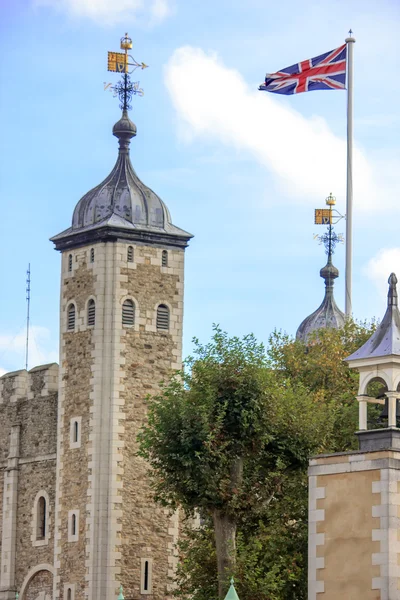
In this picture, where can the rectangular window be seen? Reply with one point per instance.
(75, 432)
(73, 525)
(146, 573)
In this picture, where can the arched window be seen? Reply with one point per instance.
(69, 594)
(164, 258)
(91, 313)
(70, 262)
(75, 433)
(163, 317)
(129, 254)
(92, 255)
(146, 569)
(128, 313)
(146, 576)
(71, 317)
(41, 518)
(73, 524)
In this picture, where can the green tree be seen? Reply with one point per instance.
(225, 435)
(272, 540)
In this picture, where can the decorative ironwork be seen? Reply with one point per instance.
(330, 240)
(124, 63)
(125, 90)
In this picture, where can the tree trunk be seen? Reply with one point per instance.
(225, 542)
(225, 534)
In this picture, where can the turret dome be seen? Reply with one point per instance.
(122, 205)
(328, 314)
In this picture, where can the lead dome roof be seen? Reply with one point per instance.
(121, 205)
(328, 314)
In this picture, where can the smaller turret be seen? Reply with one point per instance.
(328, 314)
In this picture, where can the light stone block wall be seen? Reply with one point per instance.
(105, 375)
(354, 509)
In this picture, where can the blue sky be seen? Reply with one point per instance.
(240, 169)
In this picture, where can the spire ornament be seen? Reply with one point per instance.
(122, 62)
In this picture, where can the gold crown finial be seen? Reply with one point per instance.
(126, 43)
(330, 200)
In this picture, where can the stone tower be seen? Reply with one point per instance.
(354, 497)
(121, 318)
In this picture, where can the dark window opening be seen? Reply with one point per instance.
(91, 313)
(70, 262)
(128, 313)
(92, 255)
(76, 432)
(73, 524)
(129, 254)
(164, 258)
(163, 317)
(71, 317)
(146, 576)
(41, 518)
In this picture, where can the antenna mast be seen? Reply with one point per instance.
(28, 305)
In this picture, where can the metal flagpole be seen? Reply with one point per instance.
(349, 189)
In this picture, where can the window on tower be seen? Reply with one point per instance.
(92, 255)
(163, 317)
(41, 518)
(91, 313)
(73, 525)
(71, 317)
(129, 254)
(70, 262)
(164, 258)
(146, 576)
(128, 313)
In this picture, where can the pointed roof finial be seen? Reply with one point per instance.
(392, 293)
(232, 594)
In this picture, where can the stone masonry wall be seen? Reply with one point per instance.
(29, 400)
(73, 472)
(148, 531)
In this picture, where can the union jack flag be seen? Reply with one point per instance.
(324, 72)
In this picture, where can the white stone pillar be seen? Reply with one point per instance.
(392, 397)
(9, 534)
(362, 413)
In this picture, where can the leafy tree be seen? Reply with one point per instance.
(271, 559)
(227, 435)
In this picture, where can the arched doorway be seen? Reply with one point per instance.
(38, 584)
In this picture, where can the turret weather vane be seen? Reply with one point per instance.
(328, 216)
(122, 62)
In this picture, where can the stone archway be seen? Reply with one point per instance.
(38, 584)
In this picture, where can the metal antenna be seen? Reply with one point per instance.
(28, 305)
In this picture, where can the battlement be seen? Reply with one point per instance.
(38, 382)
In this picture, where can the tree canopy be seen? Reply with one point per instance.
(230, 438)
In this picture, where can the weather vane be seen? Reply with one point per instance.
(122, 62)
(328, 216)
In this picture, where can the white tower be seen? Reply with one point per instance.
(121, 334)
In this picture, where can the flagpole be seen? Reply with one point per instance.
(349, 186)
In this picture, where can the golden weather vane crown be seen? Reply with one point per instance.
(328, 216)
(122, 62)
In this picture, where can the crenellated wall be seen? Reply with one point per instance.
(28, 417)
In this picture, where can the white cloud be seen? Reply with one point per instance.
(381, 266)
(42, 349)
(306, 157)
(111, 12)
